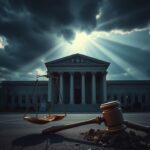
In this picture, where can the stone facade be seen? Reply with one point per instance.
(76, 83)
(82, 79)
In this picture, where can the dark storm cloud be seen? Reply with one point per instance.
(31, 27)
(133, 56)
(87, 15)
(68, 34)
(28, 27)
(124, 14)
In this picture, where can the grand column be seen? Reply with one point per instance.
(104, 87)
(71, 88)
(93, 88)
(83, 87)
(61, 87)
(50, 89)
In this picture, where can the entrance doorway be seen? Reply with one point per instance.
(77, 93)
(77, 88)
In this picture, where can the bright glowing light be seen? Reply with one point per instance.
(1, 45)
(99, 34)
(49, 55)
(128, 68)
(98, 16)
(3, 42)
(80, 39)
(79, 44)
(39, 71)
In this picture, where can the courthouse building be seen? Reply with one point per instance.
(76, 83)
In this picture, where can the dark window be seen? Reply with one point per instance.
(129, 99)
(30, 99)
(23, 99)
(38, 98)
(16, 100)
(108, 97)
(9, 99)
(115, 97)
(143, 98)
(122, 99)
(45, 97)
(136, 97)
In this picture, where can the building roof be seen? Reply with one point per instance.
(22, 83)
(128, 82)
(77, 59)
(45, 83)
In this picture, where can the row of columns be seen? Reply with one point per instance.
(82, 87)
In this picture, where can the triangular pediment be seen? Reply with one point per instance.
(77, 59)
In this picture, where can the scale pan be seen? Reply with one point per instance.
(57, 117)
(44, 120)
(39, 120)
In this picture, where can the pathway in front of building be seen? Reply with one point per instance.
(17, 134)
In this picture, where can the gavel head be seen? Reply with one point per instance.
(112, 115)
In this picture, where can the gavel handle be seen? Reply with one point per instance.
(137, 126)
(53, 129)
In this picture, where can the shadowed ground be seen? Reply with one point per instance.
(17, 134)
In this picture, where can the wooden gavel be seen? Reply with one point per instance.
(111, 116)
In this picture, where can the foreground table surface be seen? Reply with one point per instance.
(16, 134)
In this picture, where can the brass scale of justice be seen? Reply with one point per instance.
(111, 116)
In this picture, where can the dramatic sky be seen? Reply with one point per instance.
(36, 31)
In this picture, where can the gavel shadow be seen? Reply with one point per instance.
(30, 140)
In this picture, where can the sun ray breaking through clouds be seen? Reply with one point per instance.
(92, 45)
(37, 66)
(138, 39)
(120, 42)
(135, 73)
(29, 31)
